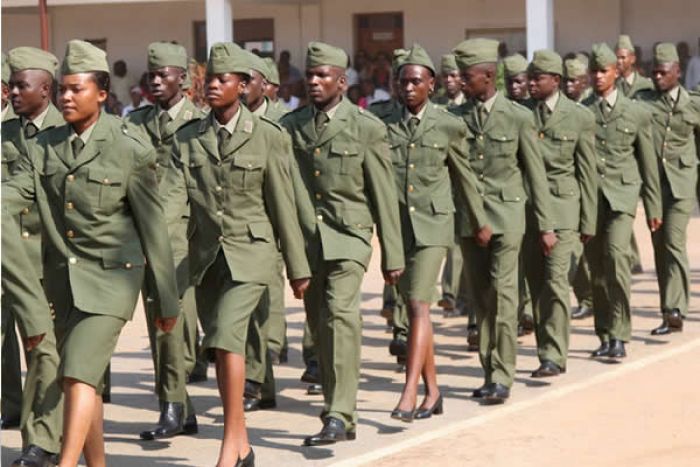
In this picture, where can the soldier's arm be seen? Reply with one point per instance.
(145, 202)
(648, 165)
(279, 199)
(586, 173)
(463, 177)
(379, 179)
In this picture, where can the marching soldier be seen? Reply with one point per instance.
(502, 143)
(31, 87)
(344, 160)
(676, 127)
(626, 166)
(566, 142)
(167, 69)
(577, 85)
(451, 82)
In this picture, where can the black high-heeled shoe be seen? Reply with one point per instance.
(247, 461)
(403, 415)
(436, 409)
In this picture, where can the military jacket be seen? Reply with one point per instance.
(640, 84)
(241, 200)
(626, 161)
(384, 109)
(504, 155)
(10, 113)
(275, 111)
(427, 164)
(348, 181)
(567, 144)
(676, 132)
(102, 218)
(14, 147)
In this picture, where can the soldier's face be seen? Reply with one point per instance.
(165, 83)
(224, 90)
(666, 76)
(254, 91)
(476, 80)
(543, 85)
(625, 60)
(416, 85)
(604, 80)
(271, 91)
(324, 84)
(80, 98)
(573, 87)
(452, 82)
(516, 86)
(29, 91)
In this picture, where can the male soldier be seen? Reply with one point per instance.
(566, 142)
(7, 111)
(625, 153)
(167, 68)
(343, 156)
(630, 82)
(676, 126)
(31, 88)
(502, 143)
(515, 74)
(577, 88)
(269, 315)
(451, 82)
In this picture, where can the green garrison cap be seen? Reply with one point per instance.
(583, 58)
(5, 70)
(320, 54)
(83, 57)
(273, 74)
(624, 42)
(665, 52)
(573, 68)
(257, 64)
(31, 58)
(227, 57)
(475, 51)
(418, 56)
(397, 59)
(448, 63)
(546, 61)
(514, 65)
(602, 56)
(162, 54)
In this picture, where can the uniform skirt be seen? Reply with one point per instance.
(422, 268)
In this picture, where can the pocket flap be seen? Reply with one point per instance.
(345, 148)
(248, 162)
(563, 135)
(630, 177)
(260, 231)
(626, 128)
(567, 187)
(122, 259)
(359, 218)
(501, 137)
(433, 143)
(105, 176)
(442, 205)
(689, 159)
(512, 194)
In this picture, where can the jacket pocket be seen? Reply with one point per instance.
(630, 177)
(105, 185)
(442, 205)
(247, 172)
(123, 259)
(347, 155)
(513, 194)
(260, 231)
(566, 188)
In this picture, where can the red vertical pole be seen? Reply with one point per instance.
(44, 22)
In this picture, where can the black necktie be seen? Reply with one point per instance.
(413, 124)
(544, 112)
(30, 130)
(163, 120)
(481, 114)
(321, 119)
(77, 145)
(605, 108)
(626, 87)
(223, 137)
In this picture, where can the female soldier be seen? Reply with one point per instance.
(428, 148)
(234, 170)
(95, 186)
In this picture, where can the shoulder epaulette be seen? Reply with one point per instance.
(271, 122)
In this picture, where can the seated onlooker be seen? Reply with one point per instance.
(287, 98)
(355, 96)
(371, 93)
(137, 100)
(113, 106)
(121, 81)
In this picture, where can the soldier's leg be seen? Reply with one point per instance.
(532, 262)
(581, 278)
(340, 339)
(671, 257)
(451, 277)
(313, 301)
(400, 317)
(259, 373)
(11, 369)
(635, 258)
(465, 299)
(277, 325)
(618, 274)
(596, 252)
(196, 364)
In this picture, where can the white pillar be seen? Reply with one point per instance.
(219, 21)
(540, 25)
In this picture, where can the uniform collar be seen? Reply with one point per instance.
(611, 98)
(85, 135)
(230, 126)
(262, 108)
(173, 111)
(488, 104)
(457, 101)
(674, 93)
(552, 101)
(38, 121)
(330, 113)
(407, 115)
(631, 78)
(5, 110)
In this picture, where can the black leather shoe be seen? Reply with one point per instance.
(403, 415)
(190, 426)
(170, 422)
(247, 461)
(314, 390)
(527, 323)
(311, 374)
(106, 398)
(617, 349)
(7, 423)
(637, 269)
(398, 348)
(332, 432)
(482, 391)
(196, 378)
(34, 456)
(472, 338)
(601, 351)
(251, 404)
(447, 303)
(436, 409)
(548, 368)
(672, 322)
(252, 389)
(582, 312)
(496, 394)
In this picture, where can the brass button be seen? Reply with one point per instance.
(541, 135)
(603, 142)
(411, 145)
(345, 152)
(605, 125)
(105, 181)
(602, 175)
(25, 211)
(412, 209)
(517, 198)
(411, 166)
(220, 213)
(51, 305)
(481, 156)
(410, 188)
(25, 234)
(482, 194)
(668, 128)
(218, 188)
(663, 159)
(221, 238)
(70, 177)
(481, 137)
(503, 138)
(317, 151)
(319, 217)
(317, 173)
(318, 195)
(128, 265)
(435, 145)
(73, 260)
(219, 164)
(481, 176)
(602, 159)
(70, 234)
(69, 205)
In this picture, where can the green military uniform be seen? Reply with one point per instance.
(41, 402)
(631, 86)
(346, 171)
(502, 142)
(676, 127)
(566, 143)
(167, 350)
(448, 64)
(626, 165)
